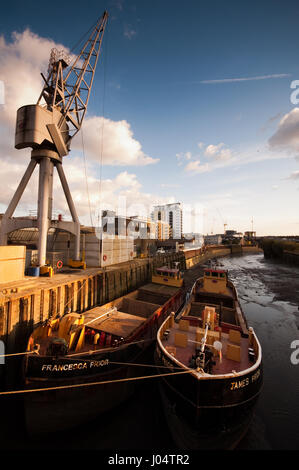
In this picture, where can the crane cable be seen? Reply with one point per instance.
(102, 129)
(104, 91)
(86, 180)
(82, 136)
(82, 37)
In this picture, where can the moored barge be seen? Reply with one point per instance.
(103, 345)
(211, 406)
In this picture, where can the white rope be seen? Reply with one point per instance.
(104, 382)
(18, 354)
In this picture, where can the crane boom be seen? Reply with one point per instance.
(70, 94)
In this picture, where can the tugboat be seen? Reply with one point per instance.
(71, 354)
(211, 406)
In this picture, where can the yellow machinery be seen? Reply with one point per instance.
(76, 264)
(69, 328)
(46, 271)
(79, 264)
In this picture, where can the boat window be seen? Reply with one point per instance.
(222, 274)
(215, 274)
(207, 273)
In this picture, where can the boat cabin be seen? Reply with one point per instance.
(215, 280)
(168, 276)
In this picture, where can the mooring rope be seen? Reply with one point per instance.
(90, 384)
(108, 350)
(18, 354)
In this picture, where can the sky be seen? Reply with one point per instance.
(192, 102)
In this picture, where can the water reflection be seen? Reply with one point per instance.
(269, 294)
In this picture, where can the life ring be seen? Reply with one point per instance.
(59, 264)
(104, 258)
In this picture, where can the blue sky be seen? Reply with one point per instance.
(203, 86)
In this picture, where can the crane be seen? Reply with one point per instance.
(224, 223)
(48, 127)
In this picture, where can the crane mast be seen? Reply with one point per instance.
(48, 128)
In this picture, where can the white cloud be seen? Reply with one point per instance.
(170, 185)
(113, 140)
(183, 156)
(217, 155)
(294, 175)
(122, 193)
(220, 157)
(105, 194)
(196, 167)
(287, 134)
(20, 71)
(246, 79)
(11, 174)
(129, 32)
(217, 152)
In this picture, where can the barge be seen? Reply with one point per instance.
(211, 406)
(82, 365)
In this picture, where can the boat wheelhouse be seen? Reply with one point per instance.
(168, 276)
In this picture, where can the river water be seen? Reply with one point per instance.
(269, 294)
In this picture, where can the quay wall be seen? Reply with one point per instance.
(284, 251)
(251, 249)
(44, 298)
(291, 257)
(198, 257)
